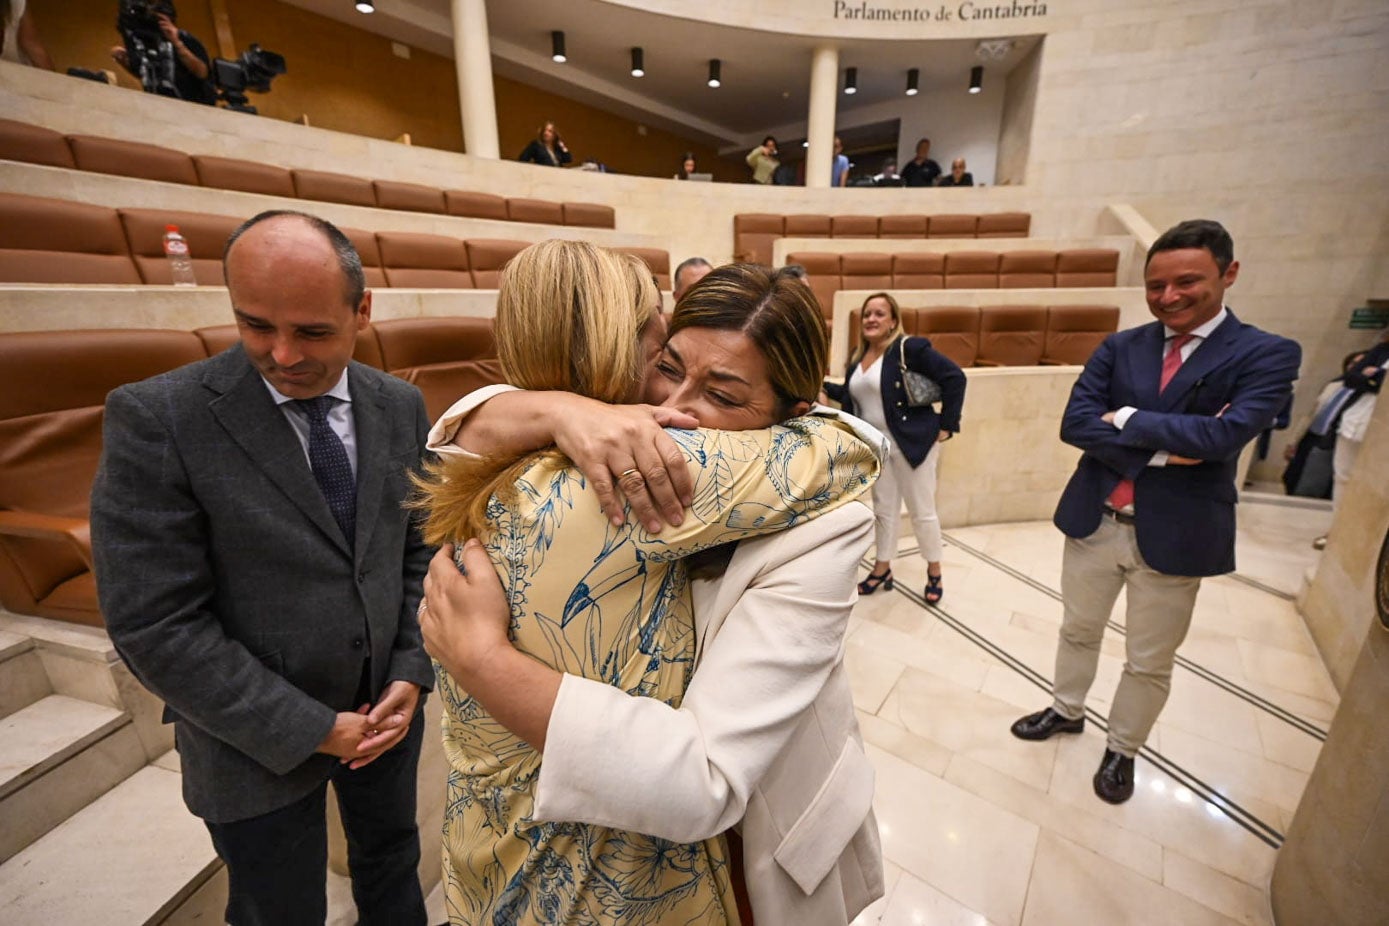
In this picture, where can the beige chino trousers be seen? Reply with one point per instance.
(1093, 571)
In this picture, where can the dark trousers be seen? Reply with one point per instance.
(277, 863)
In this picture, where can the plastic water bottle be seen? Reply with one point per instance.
(180, 264)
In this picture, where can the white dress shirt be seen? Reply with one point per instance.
(339, 418)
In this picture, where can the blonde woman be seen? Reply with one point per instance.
(597, 601)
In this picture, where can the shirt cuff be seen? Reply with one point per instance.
(1159, 458)
(1122, 416)
(446, 428)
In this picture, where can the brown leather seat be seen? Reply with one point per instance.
(56, 241)
(132, 159)
(217, 338)
(1027, 270)
(657, 260)
(865, 271)
(327, 187)
(952, 226)
(34, 144)
(50, 443)
(952, 329)
(854, 226)
(918, 271)
(753, 234)
(246, 176)
(902, 226)
(1074, 331)
(409, 197)
(487, 257)
(971, 270)
(808, 226)
(445, 357)
(822, 274)
(589, 215)
(540, 211)
(475, 205)
(1004, 225)
(1011, 335)
(365, 243)
(206, 236)
(421, 261)
(1087, 267)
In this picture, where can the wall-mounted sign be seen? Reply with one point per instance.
(1370, 316)
(968, 11)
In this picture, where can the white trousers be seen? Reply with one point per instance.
(917, 487)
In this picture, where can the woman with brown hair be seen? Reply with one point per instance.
(547, 148)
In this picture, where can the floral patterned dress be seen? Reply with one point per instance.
(613, 604)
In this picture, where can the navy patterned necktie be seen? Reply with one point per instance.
(328, 459)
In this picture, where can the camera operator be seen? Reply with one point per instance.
(192, 72)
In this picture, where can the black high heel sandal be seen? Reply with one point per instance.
(934, 588)
(874, 581)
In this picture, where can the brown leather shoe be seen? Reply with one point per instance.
(1044, 725)
(1114, 780)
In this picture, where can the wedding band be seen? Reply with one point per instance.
(628, 472)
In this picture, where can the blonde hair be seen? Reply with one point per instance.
(569, 318)
(893, 335)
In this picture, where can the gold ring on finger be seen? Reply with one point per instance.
(628, 472)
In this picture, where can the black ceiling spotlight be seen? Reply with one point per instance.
(851, 80)
(913, 78)
(638, 66)
(976, 78)
(365, 6)
(557, 47)
(714, 65)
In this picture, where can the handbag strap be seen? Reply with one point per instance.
(902, 353)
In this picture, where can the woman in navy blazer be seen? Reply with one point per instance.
(873, 390)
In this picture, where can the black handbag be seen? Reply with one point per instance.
(921, 389)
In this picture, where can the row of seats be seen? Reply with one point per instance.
(45, 240)
(50, 438)
(753, 233)
(20, 141)
(829, 273)
(1010, 335)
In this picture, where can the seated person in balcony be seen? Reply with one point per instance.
(921, 170)
(547, 149)
(687, 167)
(958, 176)
(192, 66)
(19, 37)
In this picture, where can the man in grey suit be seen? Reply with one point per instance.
(258, 573)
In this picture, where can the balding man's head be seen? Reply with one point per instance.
(690, 272)
(283, 222)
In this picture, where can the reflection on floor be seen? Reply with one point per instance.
(979, 827)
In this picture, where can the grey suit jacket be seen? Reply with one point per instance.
(227, 586)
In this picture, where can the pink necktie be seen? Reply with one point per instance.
(1122, 496)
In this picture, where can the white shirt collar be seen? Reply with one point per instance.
(1201, 331)
(339, 390)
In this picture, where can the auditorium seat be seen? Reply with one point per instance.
(246, 176)
(589, 215)
(446, 358)
(56, 241)
(541, 211)
(1074, 331)
(1027, 270)
(475, 205)
(902, 226)
(952, 226)
(206, 236)
(34, 144)
(1011, 335)
(971, 270)
(408, 197)
(1087, 267)
(822, 273)
(918, 271)
(854, 226)
(952, 329)
(132, 159)
(365, 243)
(327, 187)
(487, 256)
(50, 443)
(753, 234)
(415, 260)
(655, 258)
(1004, 225)
(808, 226)
(865, 271)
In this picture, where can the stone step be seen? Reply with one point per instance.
(135, 856)
(57, 755)
(22, 677)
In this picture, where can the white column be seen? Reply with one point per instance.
(824, 78)
(472, 56)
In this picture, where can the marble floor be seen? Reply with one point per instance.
(981, 828)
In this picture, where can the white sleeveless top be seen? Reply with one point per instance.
(866, 389)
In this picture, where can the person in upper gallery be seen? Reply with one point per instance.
(547, 148)
(1161, 413)
(19, 37)
(687, 167)
(873, 389)
(192, 65)
(921, 170)
(690, 272)
(839, 169)
(958, 176)
(763, 161)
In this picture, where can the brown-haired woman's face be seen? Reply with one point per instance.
(718, 376)
(548, 134)
(877, 320)
(689, 165)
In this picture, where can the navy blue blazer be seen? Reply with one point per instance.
(1185, 515)
(913, 429)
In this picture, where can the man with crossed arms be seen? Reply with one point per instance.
(1161, 412)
